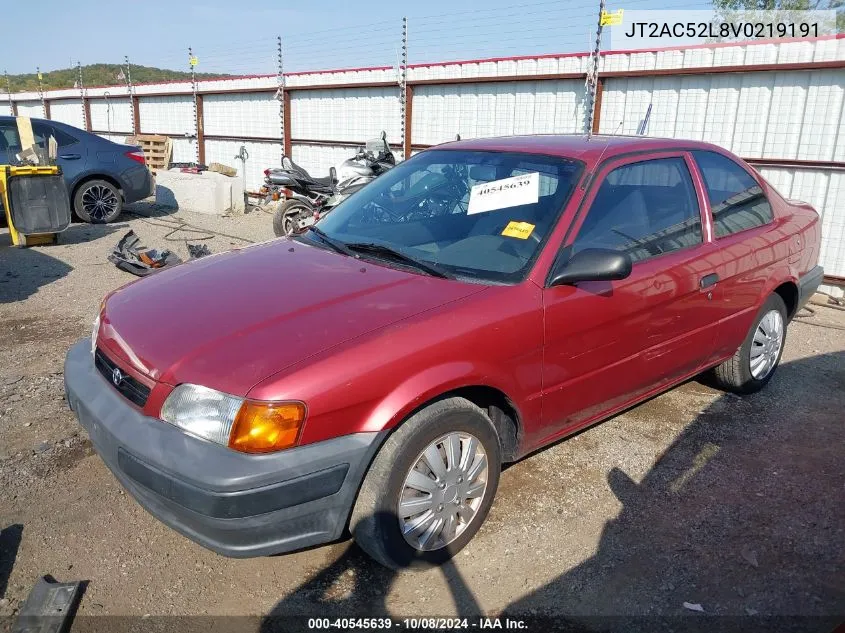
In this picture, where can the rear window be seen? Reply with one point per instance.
(736, 200)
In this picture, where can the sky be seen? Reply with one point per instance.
(240, 37)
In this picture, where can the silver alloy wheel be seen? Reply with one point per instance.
(99, 202)
(765, 347)
(443, 491)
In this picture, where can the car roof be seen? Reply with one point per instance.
(579, 146)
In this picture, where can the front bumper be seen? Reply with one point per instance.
(235, 504)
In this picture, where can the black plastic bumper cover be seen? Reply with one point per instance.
(808, 284)
(235, 504)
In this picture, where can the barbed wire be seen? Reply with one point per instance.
(525, 28)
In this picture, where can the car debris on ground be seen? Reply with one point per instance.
(131, 256)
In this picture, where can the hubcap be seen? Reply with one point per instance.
(765, 348)
(443, 491)
(99, 202)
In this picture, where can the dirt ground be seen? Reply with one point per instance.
(734, 506)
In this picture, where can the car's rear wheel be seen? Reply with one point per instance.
(757, 358)
(430, 487)
(97, 202)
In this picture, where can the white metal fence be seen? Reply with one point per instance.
(778, 105)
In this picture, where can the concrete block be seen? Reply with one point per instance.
(206, 192)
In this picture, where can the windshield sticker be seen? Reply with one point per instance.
(501, 194)
(521, 230)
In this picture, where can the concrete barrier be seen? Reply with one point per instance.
(206, 192)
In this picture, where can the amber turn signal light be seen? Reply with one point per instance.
(265, 427)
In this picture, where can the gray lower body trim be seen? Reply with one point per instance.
(237, 505)
(808, 284)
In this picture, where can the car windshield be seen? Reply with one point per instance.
(472, 214)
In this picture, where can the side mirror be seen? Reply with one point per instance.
(593, 264)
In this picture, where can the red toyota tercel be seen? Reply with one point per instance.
(475, 303)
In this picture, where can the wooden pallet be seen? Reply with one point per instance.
(157, 149)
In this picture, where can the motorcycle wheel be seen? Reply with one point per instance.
(285, 220)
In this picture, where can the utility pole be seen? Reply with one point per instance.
(280, 93)
(593, 77)
(403, 87)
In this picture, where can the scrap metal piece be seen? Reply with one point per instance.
(198, 250)
(50, 607)
(131, 256)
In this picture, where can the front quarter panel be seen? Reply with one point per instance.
(493, 338)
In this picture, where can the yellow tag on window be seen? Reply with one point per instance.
(521, 230)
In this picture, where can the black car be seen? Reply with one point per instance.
(100, 175)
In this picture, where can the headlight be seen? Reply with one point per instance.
(94, 335)
(243, 425)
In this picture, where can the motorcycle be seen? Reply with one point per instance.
(307, 199)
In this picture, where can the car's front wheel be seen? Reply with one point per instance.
(97, 202)
(755, 362)
(430, 487)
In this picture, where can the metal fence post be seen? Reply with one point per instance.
(12, 109)
(280, 95)
(44, 111)
(132, 99)
(591, 84)
(86, 112)
(403, 92)
(199, 154)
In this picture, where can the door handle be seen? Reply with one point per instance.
(70, 156)
(709, 280)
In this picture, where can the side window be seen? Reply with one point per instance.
(42, 132)
(736, 200)
(645, 209)
(10, 142)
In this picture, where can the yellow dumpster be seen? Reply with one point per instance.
(36, 202)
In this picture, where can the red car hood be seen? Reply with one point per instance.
(231, 320)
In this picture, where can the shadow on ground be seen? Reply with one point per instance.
(24, 270)
(10, 540)
(741, 517)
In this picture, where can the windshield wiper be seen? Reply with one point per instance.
(380, 249)
(336, 245)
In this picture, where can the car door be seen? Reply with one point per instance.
(749, 243)
(72, 154)
(608, 343)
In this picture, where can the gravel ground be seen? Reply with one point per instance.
(696, 497)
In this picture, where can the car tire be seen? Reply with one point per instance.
(375, 520)
(97, 202)
(743, 373)
(284, 220)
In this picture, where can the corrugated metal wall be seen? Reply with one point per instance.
(113, 114)
(30, 109)
(167, 115)
(496, 109)
(68, 111)
(787, 115)
(249, 115)
(348, 114)
(260, 156)
(777, 114)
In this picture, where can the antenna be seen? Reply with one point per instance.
(590, 177)
(644, 122)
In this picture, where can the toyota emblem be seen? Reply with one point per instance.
(116, 376)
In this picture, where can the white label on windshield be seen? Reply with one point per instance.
(501, 194)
